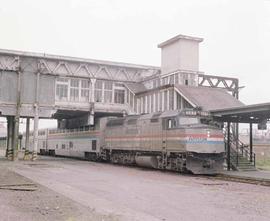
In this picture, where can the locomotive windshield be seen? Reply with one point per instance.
(188, 120)
(192, 121)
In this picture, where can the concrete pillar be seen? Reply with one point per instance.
(16, 137)
(35, 137)
(27, 132)
(36, 119)
(16, 120)
(9, 138)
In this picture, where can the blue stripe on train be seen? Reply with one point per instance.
(201, 142)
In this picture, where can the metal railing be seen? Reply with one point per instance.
(239, 150)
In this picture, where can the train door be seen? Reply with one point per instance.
(164, 135)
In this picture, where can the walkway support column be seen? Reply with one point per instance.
(250, 142)
(36, 119)
(27, 132)
(10, 135)
(7, 136)
(16, 137)
(17, 118)
(228, 146)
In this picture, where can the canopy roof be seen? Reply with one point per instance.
(255, 113)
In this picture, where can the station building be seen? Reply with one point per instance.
(75, 91)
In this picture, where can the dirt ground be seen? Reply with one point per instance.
(33, 202)
(80, 190)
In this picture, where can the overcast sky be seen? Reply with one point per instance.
(236, 33)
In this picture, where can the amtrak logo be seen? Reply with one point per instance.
(197, 139)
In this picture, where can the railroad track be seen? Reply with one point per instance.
(238, 179)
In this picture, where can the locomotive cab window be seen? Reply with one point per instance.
(188, 120)
(169, 123)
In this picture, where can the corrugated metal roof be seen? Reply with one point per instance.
(208, 98)
(136, 87)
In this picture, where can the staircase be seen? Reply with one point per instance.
(240, 158)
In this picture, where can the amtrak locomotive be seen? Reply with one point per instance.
(183, 141)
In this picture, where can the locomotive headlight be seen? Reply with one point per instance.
(208, 133)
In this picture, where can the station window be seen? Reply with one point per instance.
(119, 96)
(56, 146)
(108, 86)
(62, 89)
(85, 90)
(74, 89)
(98, 91)
(63, 146)
(70, 144)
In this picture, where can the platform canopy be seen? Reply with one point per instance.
(256, 113)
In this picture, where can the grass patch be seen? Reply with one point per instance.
(263, 164)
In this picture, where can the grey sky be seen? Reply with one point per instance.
(236, 33)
